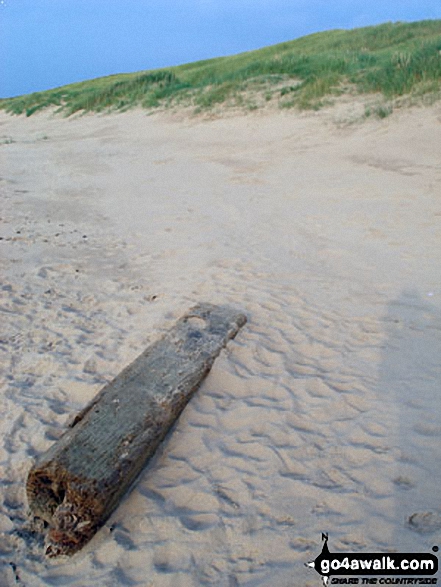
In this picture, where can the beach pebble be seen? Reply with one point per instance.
(404, 482)
(90, 366)
(425, 522)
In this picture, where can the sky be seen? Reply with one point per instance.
(49, 43)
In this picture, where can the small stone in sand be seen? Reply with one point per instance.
(425, 522)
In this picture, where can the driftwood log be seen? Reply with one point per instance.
(80, 480)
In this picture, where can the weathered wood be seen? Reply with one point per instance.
(79, 481)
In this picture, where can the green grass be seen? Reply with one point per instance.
(392, 59)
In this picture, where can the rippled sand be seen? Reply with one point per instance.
(324, 414)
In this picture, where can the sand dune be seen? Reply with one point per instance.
(322, 416)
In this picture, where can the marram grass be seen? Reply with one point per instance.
(392, 59)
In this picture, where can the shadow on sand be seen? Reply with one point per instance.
(410, 378)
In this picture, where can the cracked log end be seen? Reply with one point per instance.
(79, 481)
(70, 506)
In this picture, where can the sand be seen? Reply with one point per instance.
(324, 415)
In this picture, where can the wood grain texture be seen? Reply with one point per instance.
(79, 481)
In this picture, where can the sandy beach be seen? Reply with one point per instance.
(323, 415)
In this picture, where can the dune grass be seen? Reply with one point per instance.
(392, 59)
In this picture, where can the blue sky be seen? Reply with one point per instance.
(48, 43)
